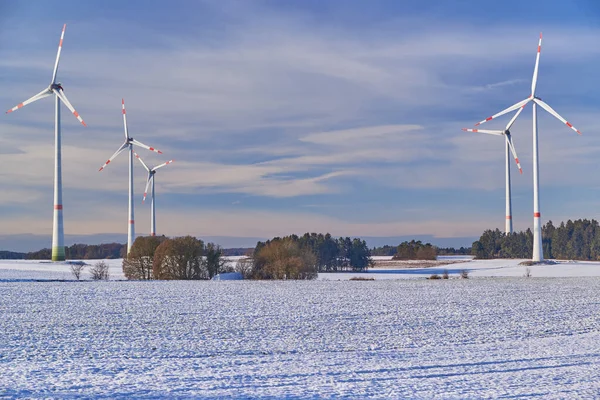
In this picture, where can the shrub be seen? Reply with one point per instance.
(445, 274)
(464, 274)
(434, 276)
(99, 271)
(77, 269)
(362, 278)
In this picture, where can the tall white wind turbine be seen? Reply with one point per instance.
(128, 144)
(150, 181)
(56, 89)
(537, 227)
(508, 148)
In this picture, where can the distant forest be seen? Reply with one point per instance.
(117, 250)
(440, 251)
(573, 240)
(96, 252)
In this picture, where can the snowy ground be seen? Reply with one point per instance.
(487, 337)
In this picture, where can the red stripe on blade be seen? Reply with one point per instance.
(508, 217)
(131, 221)
(58, 206)
(537, 215)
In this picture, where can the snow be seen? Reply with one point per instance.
(495, 335)
(228, 276)
(475, 269)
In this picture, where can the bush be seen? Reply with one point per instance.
(362, 278)
(99, 271)
(464, 274)
(77, 269)
(445, 274)
(434, 276)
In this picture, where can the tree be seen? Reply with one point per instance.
(99, 271)
(139, 263)
(214, 262)
(284, 259)
(244, 266)
(77, 269)
(180, 258)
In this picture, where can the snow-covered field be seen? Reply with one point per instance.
(409, 338)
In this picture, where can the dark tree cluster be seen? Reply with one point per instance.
(573, 240)
(384, 250)
(84, 252)
(302, 257)
(451, 251)
(11, 255)
(415, 250)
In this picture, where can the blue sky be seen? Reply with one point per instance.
(287, 117)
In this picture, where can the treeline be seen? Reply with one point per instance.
(302, 257)
(97, 252)
(440, 251)
(384, 251)
(451, 251)
(84, 252)
(11, 255)
(573, 240)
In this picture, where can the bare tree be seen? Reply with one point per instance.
(244, 266)
(100, 271)
(138, 264)
(77, 269)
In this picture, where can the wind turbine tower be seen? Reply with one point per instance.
(128, 144)
(537, 225)
(55, 88)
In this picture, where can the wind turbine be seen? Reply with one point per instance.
(151, 173)
(128, 144)
(508, 148)
(56, 89)
(537, 227)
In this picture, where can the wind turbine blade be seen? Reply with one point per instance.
(123, 147)
(514, 118)
(162, 165)
(40, 95)
(514, 152)
(142, 161)
(125, 120)
(140, 144)
(507, 110)
(535, 70)
(62, 36)
(61, 95)
(499, 133)
(557, 115)
(150, 177)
